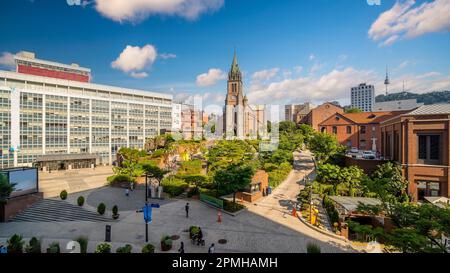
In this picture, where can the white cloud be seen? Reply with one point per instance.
(334, 85)
(316, 67)
(138, 10)
(298, 69)
(211, 77)
(139, 75)
(7, 59)
(166, 56)
(407, 20)
(265, 75)
(312, 57)
(133, 59)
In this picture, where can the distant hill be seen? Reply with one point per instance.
(426, 98)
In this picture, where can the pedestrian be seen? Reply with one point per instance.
(187, 210)
(127, 192)
(211, 249)
(181, 250)
(131, 185)
(200, 236)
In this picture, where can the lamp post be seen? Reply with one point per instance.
(146, 187)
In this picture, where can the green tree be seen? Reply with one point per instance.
(329, 174)
(196, 179)
(234, 178)
(387, 183)
(226, 152)
(352, 177)
(154, 172)
(306, 131)
(287, 127)
(419, 228)
(129, 163)
(324, 146)
(353, 110)
(6, 188)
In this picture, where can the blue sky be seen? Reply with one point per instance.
(290, 51)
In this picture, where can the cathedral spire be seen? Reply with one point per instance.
(235, 72)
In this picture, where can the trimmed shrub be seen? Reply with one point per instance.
(115, 210)
(101, 208)
(148, 248)
(166, 243)
(80, 201)
(174, 186)
(312, 248)
(15, 244)
(331, 210)
(54, 248)
(63, 195)
(103, 248)
(83, 241)
(34, 246)
(124, 249)
(120, 180)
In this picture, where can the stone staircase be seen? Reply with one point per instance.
(51, 210)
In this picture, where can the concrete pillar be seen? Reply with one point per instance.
(15, 123)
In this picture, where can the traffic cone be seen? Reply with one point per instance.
(219, 217)
(294, 212)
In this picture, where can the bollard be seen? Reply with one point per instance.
(219, 217)
(108, 233)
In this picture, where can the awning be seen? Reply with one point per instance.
(66, 157)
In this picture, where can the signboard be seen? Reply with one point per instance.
(216, 202)
(25, 180)
(147, 211)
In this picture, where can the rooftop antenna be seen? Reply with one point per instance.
(386, 81)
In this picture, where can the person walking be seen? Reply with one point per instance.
(181, 250)
(211, 249)
(127, 192)
(187, 210)
(200, 236)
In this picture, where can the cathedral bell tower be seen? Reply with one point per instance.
(234, 103)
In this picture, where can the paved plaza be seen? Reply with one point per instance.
(265, 226)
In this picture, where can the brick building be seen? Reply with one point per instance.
(358, 130)
(321, 113)
(419, 142)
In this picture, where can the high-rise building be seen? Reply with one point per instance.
(296, 112)
(363, 97)
(51, 116)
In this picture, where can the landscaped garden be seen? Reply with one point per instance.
(225, 167)
(408, 227)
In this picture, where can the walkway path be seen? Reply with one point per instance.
(278, 206)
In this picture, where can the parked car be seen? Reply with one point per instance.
(353, 152)
(369, 155)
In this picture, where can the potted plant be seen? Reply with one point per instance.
(54, 248)
(166, 243)
(148, 248)
(15, 244)
(115, 211)
(101, 208)
(124, 249)
(312, 248)
(80, 201)
(103, 248)
(63, 195)
(34, 246)
(83, 241)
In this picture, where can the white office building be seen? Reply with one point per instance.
(51, 116)
(363, 97)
